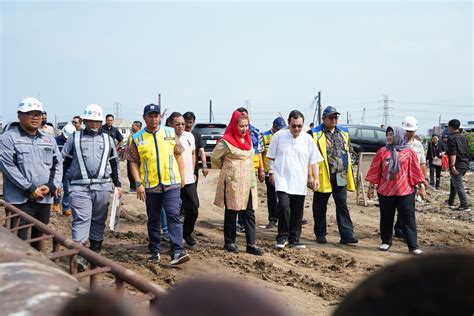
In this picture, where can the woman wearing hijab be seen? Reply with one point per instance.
(394, 173)
(237, 185)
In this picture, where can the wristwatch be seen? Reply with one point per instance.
(138, 183)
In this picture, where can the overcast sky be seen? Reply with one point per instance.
(273, 56)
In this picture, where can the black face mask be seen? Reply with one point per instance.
(43, 122)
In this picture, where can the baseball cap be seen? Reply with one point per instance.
(330, 110)
(279, 122)
(151, 108)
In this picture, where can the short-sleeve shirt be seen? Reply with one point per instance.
(187, 141)
(113, 132)
(292, 157)
(419, 150)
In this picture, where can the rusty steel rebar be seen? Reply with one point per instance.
(99, 264)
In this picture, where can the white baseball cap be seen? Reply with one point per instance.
(410, 124)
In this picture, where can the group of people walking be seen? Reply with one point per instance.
(163, 164)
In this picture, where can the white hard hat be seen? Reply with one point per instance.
(68, 129)
(92, 112)
(30, 104)
(410, 124)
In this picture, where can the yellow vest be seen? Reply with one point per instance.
(324, 175)
(157, 162)
(267, 138)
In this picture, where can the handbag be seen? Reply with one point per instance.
(445, 162)
(436, 161)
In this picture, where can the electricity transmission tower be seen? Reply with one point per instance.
(386, 111)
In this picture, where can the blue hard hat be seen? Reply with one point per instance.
(330, 110)
(279, 123)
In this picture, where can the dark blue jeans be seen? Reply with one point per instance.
(65, 196)
(171, 202)
(320, 205)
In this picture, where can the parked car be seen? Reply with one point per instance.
(365, 138)
(210, 133)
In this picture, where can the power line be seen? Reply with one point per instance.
(434, 104)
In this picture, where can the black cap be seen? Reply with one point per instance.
(151, 108)
(330, 110)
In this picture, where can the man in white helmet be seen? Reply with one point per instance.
(64, 201)
(410, 125)
(91, 165)
(31, 164)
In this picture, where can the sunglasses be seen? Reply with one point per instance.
(296, 126)
(34, 115)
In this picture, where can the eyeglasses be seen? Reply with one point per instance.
(34, 114)
(296, 126)
(333, 117)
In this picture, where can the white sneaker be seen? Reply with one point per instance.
(281, 244)
(417, 252)
(384, 247)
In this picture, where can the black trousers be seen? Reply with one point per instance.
(290, 211)
(271, 201)
(248, 220)
(406, 215)
(435, 169)
(130, 177)
(190, 206)
(39, 211)
(343, 218)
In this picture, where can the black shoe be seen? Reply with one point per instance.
(304, 221)
(241, 229)
(348, 241)
(190, 241)
(231, 248)
(165, 237)
(179, 258)
(95, 245)
(297, 245)
(321, 240)
(154, 258)
(446, 203)
(271, 225)
(254, 250)
(462, 209)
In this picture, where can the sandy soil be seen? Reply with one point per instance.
(308, 282)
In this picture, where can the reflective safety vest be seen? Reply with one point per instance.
(157, 162)
(324, 175)
(86, 177)
(267, 138)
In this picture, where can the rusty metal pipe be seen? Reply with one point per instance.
(124, 274)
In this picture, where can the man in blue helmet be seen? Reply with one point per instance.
(278, 123)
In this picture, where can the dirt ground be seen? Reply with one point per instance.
(307, 282)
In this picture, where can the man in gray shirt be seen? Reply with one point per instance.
(31, 165)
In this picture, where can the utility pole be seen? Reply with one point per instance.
(362, 119)
(386, 109)
(159, 99)
(248, 106)
(117, 106)
(320, 108)
(211, 115)
(347, 118)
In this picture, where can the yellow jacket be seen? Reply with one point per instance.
(157, 162)
(324, 176)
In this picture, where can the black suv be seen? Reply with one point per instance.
(365, 138)
(210, 132)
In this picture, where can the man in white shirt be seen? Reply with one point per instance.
(189, 195)
(410, 125)
(290, 155)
